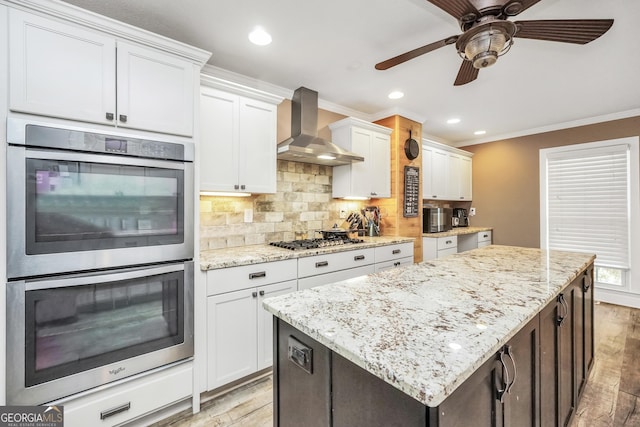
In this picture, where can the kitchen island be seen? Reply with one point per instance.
(484, 337)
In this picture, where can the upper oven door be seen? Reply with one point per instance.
(72, 211)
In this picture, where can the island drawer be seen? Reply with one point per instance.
(328, 263)
(249, 276)
(391, 252)
(447, 242)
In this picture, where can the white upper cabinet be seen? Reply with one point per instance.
(446, 172)
(372, 177)
(60, 70)
(68, 71)
(237, 141)
(155, 90)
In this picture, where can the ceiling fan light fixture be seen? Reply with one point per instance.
(484, 48)
(484, 43)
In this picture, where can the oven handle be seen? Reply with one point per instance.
(71, 156)
(105, 277)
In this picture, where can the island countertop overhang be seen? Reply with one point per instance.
(426, 328)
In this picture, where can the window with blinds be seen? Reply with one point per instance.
(588, 205)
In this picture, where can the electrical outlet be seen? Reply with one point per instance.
(248, 215)
(343, 213)
(472, 211)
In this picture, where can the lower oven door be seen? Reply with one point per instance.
(70, 333)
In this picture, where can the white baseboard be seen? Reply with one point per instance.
(616, 297)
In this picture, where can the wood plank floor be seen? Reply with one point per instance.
(611, 397)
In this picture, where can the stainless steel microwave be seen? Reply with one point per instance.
(436, 220)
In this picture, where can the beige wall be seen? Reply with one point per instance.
(506, 178)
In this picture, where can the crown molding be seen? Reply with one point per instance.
(557, 126)
(68, 12)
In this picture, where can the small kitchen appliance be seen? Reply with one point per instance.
(460, 217)
(436, 220)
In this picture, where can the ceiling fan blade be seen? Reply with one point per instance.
(396, 60)
(466, 74)
(579, 31)
(456, 8)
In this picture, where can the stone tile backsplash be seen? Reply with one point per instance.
(301, 205)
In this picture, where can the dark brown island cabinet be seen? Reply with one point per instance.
(535, 379)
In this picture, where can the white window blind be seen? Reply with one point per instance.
(588, 203)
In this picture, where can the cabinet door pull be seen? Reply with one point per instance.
(396, 264)
(113, 411)
(322, 264)
(261, 293)
(373, 193)
(254, 294)
(565, 310)
(509, 354)
(485, 235)
(257, 275)
(109, 116)
(586, 284)
(358, 257)
(236, 187)
(242, 187)
(434, 196)
(448, 242)
(461, 197)
(396, 251)
(505, 377)
(123, 118)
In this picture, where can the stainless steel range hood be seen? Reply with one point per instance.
(304, 145)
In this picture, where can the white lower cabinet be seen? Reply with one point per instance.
(484, 238)
(131, 399)
(393, 256)
(323, 269)
(439, 247)
(239, 330)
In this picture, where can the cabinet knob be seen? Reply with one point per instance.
(261, 293)
(109, 116)
(373, 193)
(461, 197)
(123, 118)
(434, 196)
(235, 187)
(242, 187)
(254, 294)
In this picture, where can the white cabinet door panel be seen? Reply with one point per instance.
(232, 337)
(439, 174)
(381, 165)
(257, 148)
(219, 150)
(155, 90)
(60, 70)
(265, 321)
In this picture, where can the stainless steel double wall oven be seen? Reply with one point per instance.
(99, 257)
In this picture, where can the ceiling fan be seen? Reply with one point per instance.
(488, 34)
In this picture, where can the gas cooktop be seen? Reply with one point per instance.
(314, 243)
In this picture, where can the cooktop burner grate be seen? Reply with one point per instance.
(314, 243)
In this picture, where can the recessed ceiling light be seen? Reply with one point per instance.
(396, 94)
(453, 121)
(480, 132)
(259, 37)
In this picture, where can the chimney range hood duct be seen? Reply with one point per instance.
(304, 145)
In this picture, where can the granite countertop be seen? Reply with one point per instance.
(256, 254)
(458, 231)
(427, 327)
